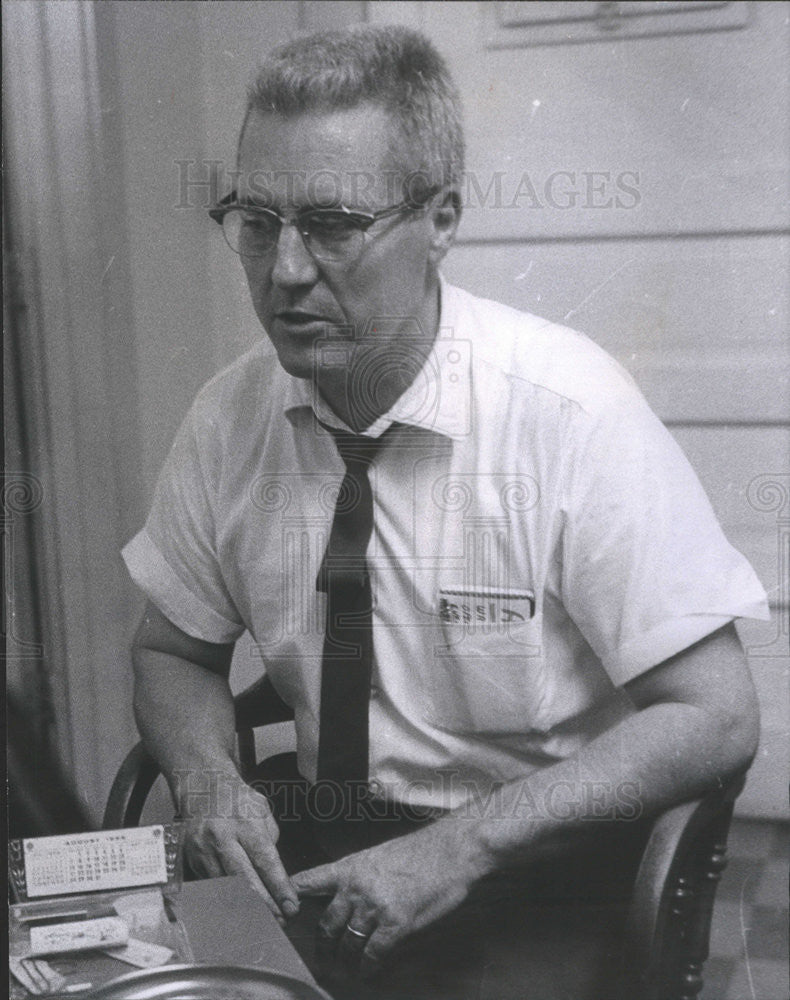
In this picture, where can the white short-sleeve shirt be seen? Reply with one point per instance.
(539, 539)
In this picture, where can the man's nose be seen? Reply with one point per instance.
(294, 264)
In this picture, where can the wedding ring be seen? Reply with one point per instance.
(356, 933)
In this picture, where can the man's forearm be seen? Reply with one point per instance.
(697, 724)
(185, 717)
(661, 756)
(185, 714)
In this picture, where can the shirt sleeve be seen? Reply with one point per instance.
(647, 570)
(174, 558)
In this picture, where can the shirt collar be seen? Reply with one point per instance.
(437, 400)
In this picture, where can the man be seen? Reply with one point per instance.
(552, 600)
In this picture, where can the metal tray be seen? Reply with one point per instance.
(206, 982)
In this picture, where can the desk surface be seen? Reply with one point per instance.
(488, 949)
(229, 924)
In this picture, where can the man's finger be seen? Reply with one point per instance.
(269, 867)
(335, 917)
(203, 863)
(356, 934)
(320, 881)
(381, 943)
(236, 862)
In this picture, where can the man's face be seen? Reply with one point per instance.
(314, 160)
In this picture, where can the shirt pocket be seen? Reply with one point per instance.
(488, 673)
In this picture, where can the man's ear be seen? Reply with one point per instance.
(445, 215)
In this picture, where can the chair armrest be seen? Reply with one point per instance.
(131, 786)
(668, 925)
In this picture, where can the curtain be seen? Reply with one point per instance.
(72, 443)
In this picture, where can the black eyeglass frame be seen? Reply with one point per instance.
(363, 220)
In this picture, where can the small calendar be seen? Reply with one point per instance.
(87, 862)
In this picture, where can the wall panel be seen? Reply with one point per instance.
(701, 118)
(701, 323)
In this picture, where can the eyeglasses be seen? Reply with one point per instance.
(330, 234)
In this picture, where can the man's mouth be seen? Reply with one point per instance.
(295, 317)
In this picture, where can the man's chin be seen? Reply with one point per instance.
(299, 364)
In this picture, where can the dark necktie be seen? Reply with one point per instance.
(348, 640)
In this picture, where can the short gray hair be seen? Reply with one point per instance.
(390, 66)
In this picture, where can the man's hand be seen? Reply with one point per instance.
(239, 837)
(184, 710)
(382, 895)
